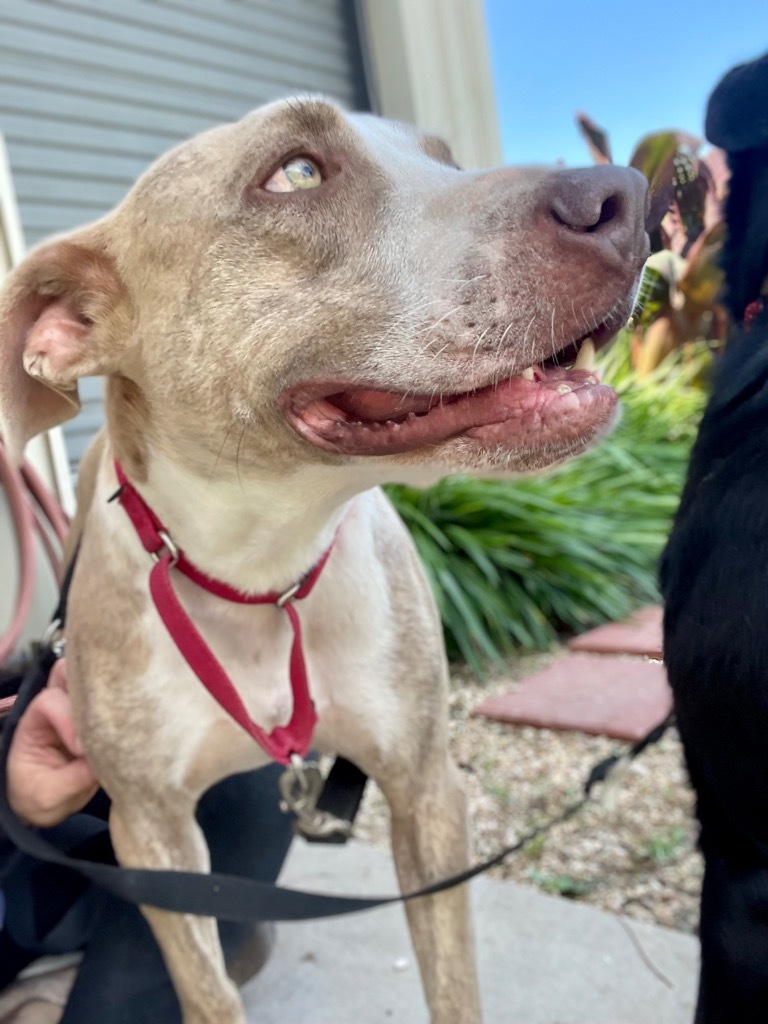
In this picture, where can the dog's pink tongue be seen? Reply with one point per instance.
(380, 406)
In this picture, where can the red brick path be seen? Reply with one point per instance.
(615, 692)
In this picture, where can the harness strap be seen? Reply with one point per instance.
(283, 741)
(293, 738)
(340, 798)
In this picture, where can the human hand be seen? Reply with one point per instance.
(49, 777)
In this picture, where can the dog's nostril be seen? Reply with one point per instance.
(584, 213)
(600, 209)
(609, 212)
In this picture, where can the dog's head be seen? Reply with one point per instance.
(737, 121)
(307, 286)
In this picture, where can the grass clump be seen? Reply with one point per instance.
(666, 846)
(516, 563)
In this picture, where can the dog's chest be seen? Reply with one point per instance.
(349, 641)
(343, 651)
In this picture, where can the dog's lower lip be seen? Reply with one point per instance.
(548, 403)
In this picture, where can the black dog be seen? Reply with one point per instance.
(715, 584)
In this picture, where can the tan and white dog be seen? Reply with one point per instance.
(289, 311)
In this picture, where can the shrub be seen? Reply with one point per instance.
(514, 564)
(679, 298)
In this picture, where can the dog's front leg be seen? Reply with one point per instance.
(430, 841)
(167, 836)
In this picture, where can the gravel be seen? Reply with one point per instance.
(632, 852)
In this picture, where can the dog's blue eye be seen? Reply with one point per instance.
(303, 173)
(300, 172)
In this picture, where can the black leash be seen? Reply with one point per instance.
(229, 897)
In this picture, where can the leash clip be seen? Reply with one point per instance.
(301, 786)
(53, 638)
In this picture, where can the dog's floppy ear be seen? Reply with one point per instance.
(58, 322)
(737, 112)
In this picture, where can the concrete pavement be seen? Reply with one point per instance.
(543, 959)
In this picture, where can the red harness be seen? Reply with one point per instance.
(283, 741)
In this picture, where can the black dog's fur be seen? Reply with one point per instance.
(715, 584)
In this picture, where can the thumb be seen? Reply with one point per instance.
(76, 777)
(58, 677)
(49, 718)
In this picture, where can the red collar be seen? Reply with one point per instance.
(283, 741)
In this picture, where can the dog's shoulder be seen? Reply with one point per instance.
(736, 417)
(725, 498)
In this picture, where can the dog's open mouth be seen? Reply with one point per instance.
(559, 403)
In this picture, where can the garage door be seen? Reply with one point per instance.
(91, 91)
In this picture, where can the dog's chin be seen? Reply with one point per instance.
(527, 421)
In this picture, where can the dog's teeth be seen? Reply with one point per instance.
(586, 357)
(563, 389)
(528, 374)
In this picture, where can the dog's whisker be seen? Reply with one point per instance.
(237, 458)
(475, 347)
(463, 280)
(437, 322)
(531, 322)
(219, 453)
(439, 352)
(504, 334)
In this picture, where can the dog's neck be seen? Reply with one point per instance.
(257, 532)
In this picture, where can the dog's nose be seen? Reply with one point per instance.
(606, 205)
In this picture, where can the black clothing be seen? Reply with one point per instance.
(122, 978)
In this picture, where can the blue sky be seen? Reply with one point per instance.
(633, 67)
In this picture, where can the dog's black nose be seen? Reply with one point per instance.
(606, 205)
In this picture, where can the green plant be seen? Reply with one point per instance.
(499, 790)
(666, 845)
(513, 564)
(563, 885)
(679, 295)
(535, 849)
